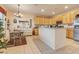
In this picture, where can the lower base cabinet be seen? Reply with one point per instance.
(69, 33)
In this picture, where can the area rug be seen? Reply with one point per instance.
(16, 42)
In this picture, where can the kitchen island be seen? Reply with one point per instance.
(53, 37)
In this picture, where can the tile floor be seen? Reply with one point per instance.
(30, 48)
(72, 47)
(36, 46)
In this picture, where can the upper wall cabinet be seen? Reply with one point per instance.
(67, 18)
(72, 17)
(57, 18)
(36, 20)
(47, 21)
(42, 20)
(54, 19)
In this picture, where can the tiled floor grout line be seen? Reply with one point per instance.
(29, 44)
(31, 41)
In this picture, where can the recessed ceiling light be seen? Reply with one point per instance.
(42, 10)
(66, 7)
(53, 13)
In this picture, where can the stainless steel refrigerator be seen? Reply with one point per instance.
(76, 29)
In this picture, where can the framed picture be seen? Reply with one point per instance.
(30, 23)
(15, 21)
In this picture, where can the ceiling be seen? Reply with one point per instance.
(36, 8)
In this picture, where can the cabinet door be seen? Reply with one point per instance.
(41, 20)
(36, 20)
(53, 21)
(66, 18)
(59, 18)
(47, 21)
(72, 17)
(70, 20)
(69, 33)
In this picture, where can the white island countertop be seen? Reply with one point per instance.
(53, 37)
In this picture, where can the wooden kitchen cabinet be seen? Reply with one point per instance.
(52, 21)
(35, 31)
(69, 33)
(60, 18)
(46, 21)
(36, 20)
(42, 20)
(57, 18)
(68, 18)
(72, 17)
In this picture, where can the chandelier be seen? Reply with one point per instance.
(18, 14)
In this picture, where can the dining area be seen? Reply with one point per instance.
(17, 38)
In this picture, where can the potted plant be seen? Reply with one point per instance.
(2, 40)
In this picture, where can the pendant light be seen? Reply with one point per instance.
(18, 14)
